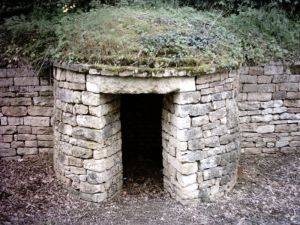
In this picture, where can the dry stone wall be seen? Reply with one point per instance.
(199, 134)
(26, 102)
(87, 130)
(201, 139)
(269, 105)
(205, 123)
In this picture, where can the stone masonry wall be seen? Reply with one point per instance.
(26, 102)
(202, 128)
(269, 105)
(201, 139)
(87, 130)
(199, 135)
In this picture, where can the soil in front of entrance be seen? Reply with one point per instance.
(267, 192)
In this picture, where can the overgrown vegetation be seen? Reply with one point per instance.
(145, 36)
(153, 36)
(266, 34)
(31, 39)
(10, 8)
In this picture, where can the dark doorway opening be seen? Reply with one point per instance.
(142, 143)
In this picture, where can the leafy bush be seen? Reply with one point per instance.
(232, 6)
(265, 34)
(10, 8)
(30, 38)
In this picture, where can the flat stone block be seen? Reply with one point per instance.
(264, 79)
(30, 143)
(14, 110)
(187, 97)
(91, 188)
(6, 82)
(8, 129)
(6, 152)
(248, 79)
(104, 109)
(259, 96)
(91, 121)
(212, 173)
(26, 81)
(15, 120)
(99, 165)
(273, 70)
(43, 101)
(210, 162)
(128, 85)
(40, 111)
(37, 121)
(250, 88)
(81, 109)
(295, 143)
(97, 177)
(192, 110)
(99, 197)
(42, 130)
(264, 88)
(27, 151)
(265, 129)
(45, 143)
(89, 98)
(69, 96)
(75, 77)
(200, 120)
(256, 70)
(81, 152)
(186, 180)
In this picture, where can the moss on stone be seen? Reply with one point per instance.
(186, 70)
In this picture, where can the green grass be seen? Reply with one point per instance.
(150, 37)
(162, 37)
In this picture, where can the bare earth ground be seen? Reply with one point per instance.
(267, 192)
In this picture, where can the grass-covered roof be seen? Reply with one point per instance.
(166, 37)
(152, 37)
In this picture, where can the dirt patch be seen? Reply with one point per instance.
(267, 192)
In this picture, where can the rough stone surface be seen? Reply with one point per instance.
(206, 120)
(87, 154)
(195, 117)
(269, 117)
(26, 105)
(118, 85)
(203, 157)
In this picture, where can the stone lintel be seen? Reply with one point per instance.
(137, 85)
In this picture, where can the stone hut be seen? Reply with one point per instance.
(198, 122)
(199, 129)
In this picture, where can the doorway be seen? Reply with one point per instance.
(142, 143)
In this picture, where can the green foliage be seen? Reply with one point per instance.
(159, 37)
(230, 6)
(10, 8)
(145, 35)
(265, 34)
(30, 38)
(153, 36)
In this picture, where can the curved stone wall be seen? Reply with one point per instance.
(201, 139)
(199, 132)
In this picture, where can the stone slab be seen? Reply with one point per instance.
(137, 85)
